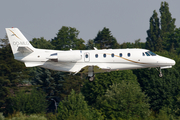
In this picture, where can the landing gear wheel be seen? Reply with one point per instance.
(160, 72)
(91, 78)
(160, 75)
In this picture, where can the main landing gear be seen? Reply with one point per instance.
(91, 73)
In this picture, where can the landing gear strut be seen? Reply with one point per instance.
(91, 73)
(160, 72)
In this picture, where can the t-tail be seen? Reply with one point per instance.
(19, 44)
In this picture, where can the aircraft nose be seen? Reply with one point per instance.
(170, 62)
(173, 62)
(166, 61)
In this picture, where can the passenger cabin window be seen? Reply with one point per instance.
(147, 54)
(96, 55)
(143, 54)
(120, 55)
(86, 56)
(104, 55)
(112, 55)
(129, 54)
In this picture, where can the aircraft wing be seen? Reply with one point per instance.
(96, 69)
(24, 49)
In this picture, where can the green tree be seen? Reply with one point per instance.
(139, 44)
(11, 69)
(127, 45)
(90, 45)
(161, 30)
(105, 39)
(124, 100)
(4, 91)
(161, 91)
(167, 22)
(28, 103)
(56, 83)
(136, 44)
(41, 43)
(91, 90)
(74, 82)
(50, 81)
(173, 41)
(12, 73)
(67, 38)
(21, 116)
(76, 107)
(167, 25)
(4, 42)
(153, 41)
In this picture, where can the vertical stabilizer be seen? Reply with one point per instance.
(18, 42)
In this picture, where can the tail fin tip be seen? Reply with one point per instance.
(17, 39)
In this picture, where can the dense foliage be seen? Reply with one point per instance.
(27, 102)
(105, 40)
(102, 82)
(12, 73)
(128, 94)
(75, 106)
(124, 100)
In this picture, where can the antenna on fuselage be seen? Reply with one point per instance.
(95, 48)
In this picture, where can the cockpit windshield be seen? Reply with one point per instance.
(147, 53)
(151, 53)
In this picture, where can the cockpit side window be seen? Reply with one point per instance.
(151, 53)
(147, 53)
(143, 54)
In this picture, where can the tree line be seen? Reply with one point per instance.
(129, 94)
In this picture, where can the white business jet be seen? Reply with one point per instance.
(84, 61)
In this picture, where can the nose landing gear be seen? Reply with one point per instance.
(160, 72)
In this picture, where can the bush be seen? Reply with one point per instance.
(51, 116)
(20, 116)
(124, 100)
(1, 116)
(28, 103)
(75, 107)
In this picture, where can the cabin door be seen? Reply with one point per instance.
(86, 57)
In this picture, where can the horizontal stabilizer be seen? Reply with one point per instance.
(24, 49)
(33, 64)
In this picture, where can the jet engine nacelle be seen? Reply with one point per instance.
(70, 56)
